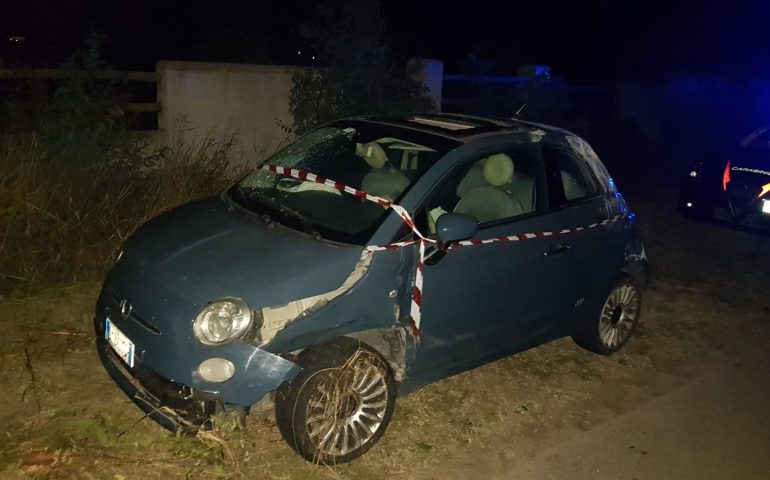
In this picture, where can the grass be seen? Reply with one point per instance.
(72, 191)
(75, 423)
(70, 196)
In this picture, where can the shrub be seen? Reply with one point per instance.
(74, 182)
(64, 215)
(356, 73)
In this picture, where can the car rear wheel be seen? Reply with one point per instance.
(339, 406)
(607, 332)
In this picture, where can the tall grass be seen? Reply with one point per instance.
(71, 192)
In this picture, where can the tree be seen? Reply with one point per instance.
(357, 73)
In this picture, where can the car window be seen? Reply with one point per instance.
(570, 179)
(379, 160)
(499, 186)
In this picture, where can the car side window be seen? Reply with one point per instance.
(570, 179)
(502, 185)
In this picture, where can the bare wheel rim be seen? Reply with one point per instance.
(348, 406)
(619, 315)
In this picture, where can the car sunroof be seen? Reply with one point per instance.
(445, 124)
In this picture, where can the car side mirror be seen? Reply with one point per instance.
(453, 227)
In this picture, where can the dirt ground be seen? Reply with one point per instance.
(61, 416)
(713, 427)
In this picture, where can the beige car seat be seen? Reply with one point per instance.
(572, 189)
(494, 201)
(498, 170)
(473, 179)
(384, 180)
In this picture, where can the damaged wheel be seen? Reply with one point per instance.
(616, 320)
(339, 406)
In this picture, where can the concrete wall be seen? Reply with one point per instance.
(249, 102)
(430, 73)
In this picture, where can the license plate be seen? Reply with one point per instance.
(119, 342)
(765, 206)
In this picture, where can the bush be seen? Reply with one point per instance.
(74, 182)
(356, 72)
(68, 202)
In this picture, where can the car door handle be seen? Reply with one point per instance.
(557, 249)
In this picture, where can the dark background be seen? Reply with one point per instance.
(654, 86)
(593, 42)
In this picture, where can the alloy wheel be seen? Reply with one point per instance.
(346, 410)
(619, 315)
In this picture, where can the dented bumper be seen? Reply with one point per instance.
(174, 406)
(186, 405)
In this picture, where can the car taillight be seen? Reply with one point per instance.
(726, 176)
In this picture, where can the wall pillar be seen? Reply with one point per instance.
(430, 73)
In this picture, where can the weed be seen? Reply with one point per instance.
(64, 215)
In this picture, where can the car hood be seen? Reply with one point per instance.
(212, 249)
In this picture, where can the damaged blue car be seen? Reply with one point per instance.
(370, 257)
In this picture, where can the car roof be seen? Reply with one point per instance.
(463, 128)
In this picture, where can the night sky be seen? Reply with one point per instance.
(586, 42)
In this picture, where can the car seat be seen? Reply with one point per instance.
(572, 189)
(383, 180)
(473, 179)
(494, 201)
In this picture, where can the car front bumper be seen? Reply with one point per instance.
(184, 408)
(155, 395)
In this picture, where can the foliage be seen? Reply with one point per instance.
(358, 73)
(74, 182)
(63, 217)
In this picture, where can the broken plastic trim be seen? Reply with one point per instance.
(276, 318)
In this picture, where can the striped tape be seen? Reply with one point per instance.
(312, 177)
(422, 241)
(529, 236)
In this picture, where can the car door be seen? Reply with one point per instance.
(479, 301)
(577, 199)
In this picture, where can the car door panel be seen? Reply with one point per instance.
(580, 200)
(483, 299)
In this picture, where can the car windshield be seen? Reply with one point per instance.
(379, 159)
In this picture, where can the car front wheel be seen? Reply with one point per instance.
(607, 332)
(339, 406)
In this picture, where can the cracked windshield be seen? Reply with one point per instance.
(363, 158)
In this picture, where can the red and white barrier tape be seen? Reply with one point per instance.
(416, 303)
(529, 236)
(311, 177)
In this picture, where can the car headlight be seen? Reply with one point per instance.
(222, 321)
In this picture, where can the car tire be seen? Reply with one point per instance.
(339, 406)
(606, 331)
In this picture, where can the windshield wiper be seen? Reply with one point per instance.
(307, 225)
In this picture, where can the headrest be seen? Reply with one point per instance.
(498, 170)
(372, 153)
